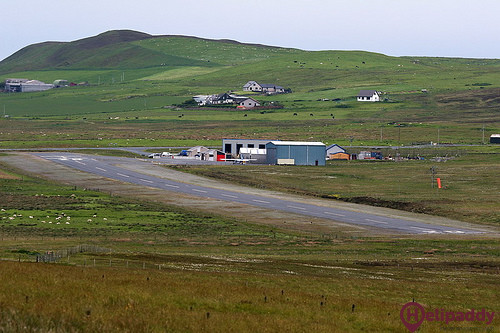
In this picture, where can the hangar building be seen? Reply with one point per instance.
(295, 153)
(233, 146)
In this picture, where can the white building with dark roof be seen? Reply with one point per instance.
(368, 96)
(25, 85)
(263, 87)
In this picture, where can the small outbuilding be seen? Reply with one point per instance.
(334, 149)
(339, 156)
(495, 138)
(295, 153)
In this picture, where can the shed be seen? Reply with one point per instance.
(295, 152)
(339, 156)
(495, 138)
(334, 149)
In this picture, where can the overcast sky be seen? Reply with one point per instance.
(451, 28)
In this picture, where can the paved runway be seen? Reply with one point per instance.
(105, 166)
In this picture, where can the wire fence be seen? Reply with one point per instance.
(54, 256)
(84, 255)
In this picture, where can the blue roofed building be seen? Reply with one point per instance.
(295, 153)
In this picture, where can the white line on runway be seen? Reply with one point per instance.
(424, 230)
(121, 174)
(145, 180)
(375, 221)
(301, 208)
(261, 201)
(80, 163)
(100, 169)
(194, 189)
(229, 196)
(330, 213)
(171, 185)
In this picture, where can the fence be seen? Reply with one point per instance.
(54, 256)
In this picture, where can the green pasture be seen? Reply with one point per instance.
(166, 268)
(142, 100)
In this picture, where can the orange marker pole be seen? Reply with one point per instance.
(439, 182)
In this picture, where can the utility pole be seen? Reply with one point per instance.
(483, 134)
(433, 173)
(438, 137)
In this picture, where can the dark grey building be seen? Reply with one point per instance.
(295, 153)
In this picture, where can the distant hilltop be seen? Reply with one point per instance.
(108, 50)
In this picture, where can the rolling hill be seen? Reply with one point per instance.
(197, 63)
(139, 78)
(122, 49)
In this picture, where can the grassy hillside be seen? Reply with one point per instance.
(139, 78)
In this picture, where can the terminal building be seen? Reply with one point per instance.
(233, 146)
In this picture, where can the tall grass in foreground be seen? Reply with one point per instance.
(46, 297)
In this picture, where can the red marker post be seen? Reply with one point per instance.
(439, 182)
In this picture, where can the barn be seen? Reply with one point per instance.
(295, 153)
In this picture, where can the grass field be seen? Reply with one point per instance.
(140, 96)
(469, 194)
(144, 266)
(165, 268)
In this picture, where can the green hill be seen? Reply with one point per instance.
(140, 78)
(125, 49)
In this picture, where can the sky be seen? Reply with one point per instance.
(445, 28)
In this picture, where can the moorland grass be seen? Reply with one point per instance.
(167, 268)
(469, 193)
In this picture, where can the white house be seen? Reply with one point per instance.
(264, 87)
(252, 86)
(368, 96)
(248, 103)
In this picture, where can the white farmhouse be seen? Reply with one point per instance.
(368, 96)
(248, 103)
